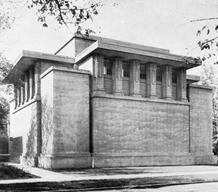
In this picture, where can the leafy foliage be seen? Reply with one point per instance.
(6, 93)
(66, 12)
(208, 38)
(209, 78)
(6, 18)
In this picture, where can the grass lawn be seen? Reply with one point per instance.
(9, 172)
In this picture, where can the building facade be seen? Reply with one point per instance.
(110, 104)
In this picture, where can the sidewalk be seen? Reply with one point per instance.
(111, 178)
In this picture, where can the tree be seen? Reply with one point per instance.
(6, 91)
(66, 12)
(209, 78)
(208, 44)
(208, 38)
(5, 17)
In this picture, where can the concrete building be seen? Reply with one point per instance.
(134, 106)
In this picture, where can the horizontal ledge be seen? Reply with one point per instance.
(201, 86)
(25, 105)
(148, 154)
(62, 154)
(141, 99)
(55, 68)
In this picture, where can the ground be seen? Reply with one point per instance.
(10, 172)
(202, 187)
(123, 179)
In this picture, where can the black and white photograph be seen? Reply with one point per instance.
(109, 95)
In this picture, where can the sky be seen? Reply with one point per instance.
(159, 23)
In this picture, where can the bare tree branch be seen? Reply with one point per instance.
(205, 19)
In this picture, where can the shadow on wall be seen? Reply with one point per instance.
(47, 126)
(27, 145)
(31, 142)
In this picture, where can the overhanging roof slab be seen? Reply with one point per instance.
(128, 53)
(28, 58)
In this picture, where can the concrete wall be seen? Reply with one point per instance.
(65, 119)
(27, 115)
(201, 124)
(126, 90)
(133, 132)
(108, 84)
(47, 109)
(143, 88)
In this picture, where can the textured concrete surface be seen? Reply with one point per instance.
(27, 116)
(137, 132)
(65, 119)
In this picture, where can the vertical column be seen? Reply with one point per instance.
(30, 83)
(37, 96)
(134, 78)
(15, 97)
(22, 98)
(98, 66)
(37, 81)
(117, 76)
(151, 74)
(181, 84)
(18, 96)
(26, 88)
(167, 82)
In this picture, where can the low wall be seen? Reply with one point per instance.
(16, 149)
(130, 131)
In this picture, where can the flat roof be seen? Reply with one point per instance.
(107, 47)
(29, 58)
(115, 48)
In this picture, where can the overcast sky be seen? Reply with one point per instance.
(160, 23)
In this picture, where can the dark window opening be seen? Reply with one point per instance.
(159, 74)
(174, 76)
(107, 66)
(142, 71)
(125, 69)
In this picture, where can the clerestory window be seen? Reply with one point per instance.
(126, 69)
(159, 74)
(174, 76)
(142, 71)
(107, 66)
